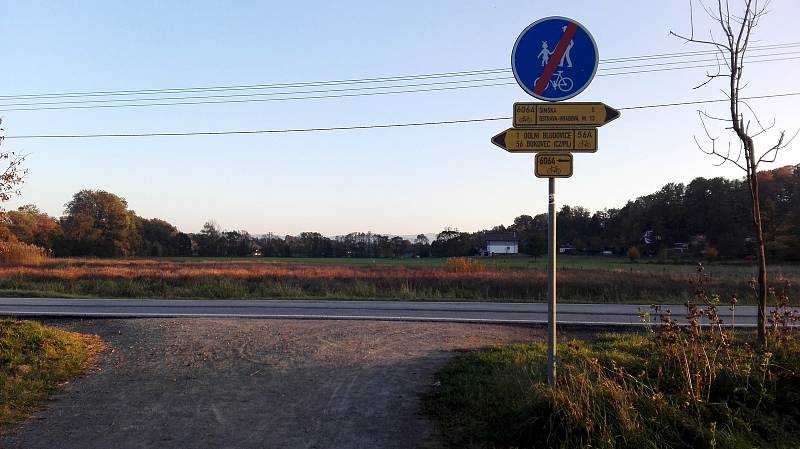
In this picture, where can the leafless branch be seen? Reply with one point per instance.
(691, 37)
(710, 77)
(764, 130)
(771, 155)
(739, 154)
(773, 151)
(713, 150)
(706, 115)
(758, 121)
(705, 128)
(699, 41)
(723, 157)
(721, 52)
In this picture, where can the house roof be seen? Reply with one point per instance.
(501, 236)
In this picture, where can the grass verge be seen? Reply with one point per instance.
(619, 391)
(35, 361)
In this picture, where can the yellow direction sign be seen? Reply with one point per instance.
(563, 114)
(553, 165)
(547, 140)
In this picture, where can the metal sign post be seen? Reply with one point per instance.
(551, 282)
(554, 59)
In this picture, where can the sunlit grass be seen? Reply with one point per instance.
(35, 360)
(619, 391)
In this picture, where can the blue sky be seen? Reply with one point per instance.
(400, 180)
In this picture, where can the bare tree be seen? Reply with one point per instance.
(736, 28)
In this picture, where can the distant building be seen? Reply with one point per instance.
(566, 249)
(680, 247)
(501, 243)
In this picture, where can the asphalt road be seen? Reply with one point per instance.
(464, 312)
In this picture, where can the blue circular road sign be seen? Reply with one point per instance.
(554, 58)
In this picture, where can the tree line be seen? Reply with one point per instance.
(704, 214)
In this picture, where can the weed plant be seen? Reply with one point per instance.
(21, 254)
(694, 385)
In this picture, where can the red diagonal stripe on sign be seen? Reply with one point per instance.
(544, 79)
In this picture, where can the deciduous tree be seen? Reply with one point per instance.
(10, 180)
(98, 223)
(731, 43)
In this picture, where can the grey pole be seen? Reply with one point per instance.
(551, 283)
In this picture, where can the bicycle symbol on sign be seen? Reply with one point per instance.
(558, 81)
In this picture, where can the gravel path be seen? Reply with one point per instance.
(241, 383)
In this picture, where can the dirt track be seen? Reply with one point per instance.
(207, 383)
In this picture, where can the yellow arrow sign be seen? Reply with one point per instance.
(563, 114)
(547, 140)
(553, 165)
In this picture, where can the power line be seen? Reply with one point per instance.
(690, 62)
(249, 98)
(698, 52)
(18, 106)
(368, 80)
(360, 127)
(352, 89)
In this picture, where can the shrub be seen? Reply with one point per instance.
(711, 253)
(18, 253)
(462, 264)
(633, 253)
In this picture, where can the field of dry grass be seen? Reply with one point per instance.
(256, 278)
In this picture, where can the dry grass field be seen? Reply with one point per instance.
(459, 279)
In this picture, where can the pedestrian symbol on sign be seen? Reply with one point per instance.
(545, 53)
(566, 53)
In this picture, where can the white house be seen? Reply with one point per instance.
(501, 243)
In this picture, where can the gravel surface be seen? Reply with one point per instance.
(242, 383)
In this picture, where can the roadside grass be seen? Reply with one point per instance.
(38, 293)
(619, 391)
(606, 281)
(35, 361)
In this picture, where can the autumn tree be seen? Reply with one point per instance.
(11, 179)
(731, 42)
(156, 237)
(98, 223)
(32, 226)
